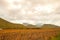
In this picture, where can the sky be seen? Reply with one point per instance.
(31, 11)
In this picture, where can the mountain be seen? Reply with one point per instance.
(7, 25)
(49, 26)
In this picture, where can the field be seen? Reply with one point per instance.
(29, 34)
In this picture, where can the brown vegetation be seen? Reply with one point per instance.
(29, 34)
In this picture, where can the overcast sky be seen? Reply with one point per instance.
(31, 11)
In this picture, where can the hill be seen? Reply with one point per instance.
(8, 25)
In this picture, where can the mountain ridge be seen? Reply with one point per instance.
(6, 24)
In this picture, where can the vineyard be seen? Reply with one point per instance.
(29, 34)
